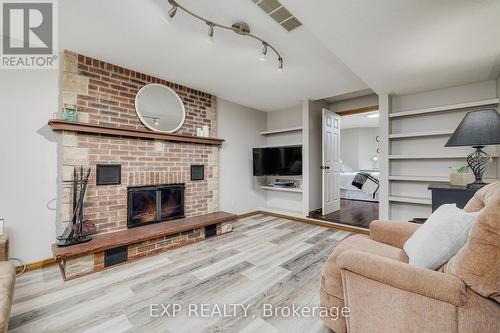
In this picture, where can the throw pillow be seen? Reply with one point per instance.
(440, 237)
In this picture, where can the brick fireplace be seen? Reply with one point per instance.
(104, 96)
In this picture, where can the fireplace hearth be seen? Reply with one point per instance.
(154, 204)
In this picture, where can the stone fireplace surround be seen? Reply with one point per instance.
(104, 94)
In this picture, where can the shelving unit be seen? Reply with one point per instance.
(281, 189)
(412, 200)
(445, 108)
(419, 126)
(421, 134)
(283, 130)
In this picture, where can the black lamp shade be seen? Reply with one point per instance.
(478, 128)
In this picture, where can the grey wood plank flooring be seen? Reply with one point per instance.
(265, 260)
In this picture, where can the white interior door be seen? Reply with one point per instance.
(330, 162)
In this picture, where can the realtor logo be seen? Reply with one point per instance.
(29, 38)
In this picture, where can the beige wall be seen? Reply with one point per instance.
(239, 191)
(28, 167)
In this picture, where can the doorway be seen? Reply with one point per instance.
(349, 168)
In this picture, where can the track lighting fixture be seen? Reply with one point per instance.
(264, 51)
(241, 28)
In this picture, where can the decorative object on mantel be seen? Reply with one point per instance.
(241, 28)
(477, 129)
(461, 176)
(70, 113)
(203, 131)
(79, 127)
(79, 230)
(160, 108)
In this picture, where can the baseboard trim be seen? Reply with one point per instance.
(37, 265)
(308, 221)
(244, 215)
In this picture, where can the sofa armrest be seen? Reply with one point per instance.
(394, 233)
(440, 286)
(4, 247)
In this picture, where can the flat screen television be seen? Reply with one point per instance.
(277, 161)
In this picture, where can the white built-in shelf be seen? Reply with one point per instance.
(413, 200)
(282, 189)
(445, 108)
(420, 178)
(283, 130)
(278, 145)
(435, 156)
(431, 179)
(421, 134)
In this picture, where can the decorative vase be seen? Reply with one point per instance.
(70, 113)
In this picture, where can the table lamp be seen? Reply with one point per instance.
(477, 129)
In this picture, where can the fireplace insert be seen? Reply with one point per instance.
(153, 204)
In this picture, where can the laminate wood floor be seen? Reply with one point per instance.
(266, 260)
(352, 212)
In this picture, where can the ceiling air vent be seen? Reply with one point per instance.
(279, 13)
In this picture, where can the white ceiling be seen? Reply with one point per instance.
(408, 46)
(132, 34)
(390, 46)
(358, 120)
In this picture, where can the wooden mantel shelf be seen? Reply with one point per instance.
(63, 125)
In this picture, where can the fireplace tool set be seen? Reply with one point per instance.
(79, 230)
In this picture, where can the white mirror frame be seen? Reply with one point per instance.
(145, 123)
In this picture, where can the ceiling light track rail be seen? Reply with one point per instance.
(240, 28)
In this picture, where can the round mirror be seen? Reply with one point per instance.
(160, 108)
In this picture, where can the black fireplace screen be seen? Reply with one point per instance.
(153, 204)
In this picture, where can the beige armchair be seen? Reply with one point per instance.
(7, 280)
(371, 276)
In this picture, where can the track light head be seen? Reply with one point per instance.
(280, 64)
(264, 52)
(210, 29)
(172, 11)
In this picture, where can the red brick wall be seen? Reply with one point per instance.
(104, 94)
(111, 97)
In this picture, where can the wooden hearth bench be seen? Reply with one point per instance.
(110, 249)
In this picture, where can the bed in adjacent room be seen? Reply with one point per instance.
(348, 191)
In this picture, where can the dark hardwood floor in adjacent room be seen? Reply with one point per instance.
(352, 212)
